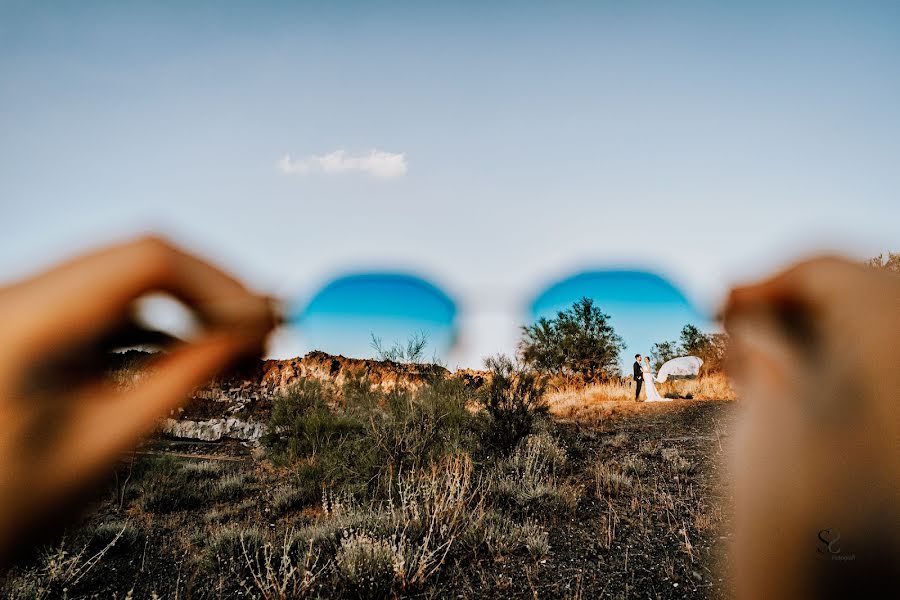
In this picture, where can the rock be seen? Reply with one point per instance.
(213, 430)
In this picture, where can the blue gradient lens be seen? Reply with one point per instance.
(643, 307)
(344, 316)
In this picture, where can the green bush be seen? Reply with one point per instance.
(577, 342)
(302, 423)
(359, 439)
(513, 399)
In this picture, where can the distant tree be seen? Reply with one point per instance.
(714, 358)
(411, 352)
(579, 341)
(692, 342)
(890, 263)
(663, 351)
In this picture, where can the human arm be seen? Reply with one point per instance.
(62, 425)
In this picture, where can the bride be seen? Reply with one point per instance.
(649, 384)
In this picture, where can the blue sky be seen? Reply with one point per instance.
(515, 144)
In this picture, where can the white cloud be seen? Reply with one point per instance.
(385, 165)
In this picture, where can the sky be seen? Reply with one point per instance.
(492, 150)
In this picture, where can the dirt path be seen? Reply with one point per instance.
(664, 536)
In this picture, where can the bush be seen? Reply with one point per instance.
(889, 263)
(579, 341)
(366, 566)
(633, 465)
(501, 536)
(527, 483)
(315, 429)
(302, 423)
(536, 539)
(283, 570)
(677, 463)
(231, 487)
(609, 481)
(232, 546)
(710, 347)
(513, 398)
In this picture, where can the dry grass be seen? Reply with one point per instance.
(608, 481)
(572, 510)
(600, 401)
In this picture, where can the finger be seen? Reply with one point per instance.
(81, 297)
(810, 284)
(131, 334)
(105, 427)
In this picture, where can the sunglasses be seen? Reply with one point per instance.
(359, 313)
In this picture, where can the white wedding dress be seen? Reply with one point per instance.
(650, 386)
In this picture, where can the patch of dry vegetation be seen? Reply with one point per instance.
(403, 494)
(596, 402)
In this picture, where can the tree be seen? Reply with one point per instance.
(579, 341)
(693, 342)
(663, 351)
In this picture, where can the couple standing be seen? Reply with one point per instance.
(643, 376)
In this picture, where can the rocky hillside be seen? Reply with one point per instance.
(236, 405)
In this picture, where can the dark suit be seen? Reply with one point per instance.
(639, 380)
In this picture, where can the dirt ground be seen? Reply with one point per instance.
(666, 537)
(662, 534)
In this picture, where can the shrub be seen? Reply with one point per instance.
(413, 351)
(609, 481)
(633, 465)
(677, 463)
(527, 480)
(416, 429)
(501, 536)
(513, 398)
(536, 539)
(282, 571)
(204, 469)
(386, 433)
(230, 487)
(536, 456)
(579, 341)
(231, 546)
(366, 566)
(302, 423)
(497, 533)
(889, 263)
(60, 569)
(618, 440)
(286, 498)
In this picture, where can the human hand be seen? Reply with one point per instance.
(61, 424)
(814, 356)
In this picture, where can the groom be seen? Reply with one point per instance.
(638, 377)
